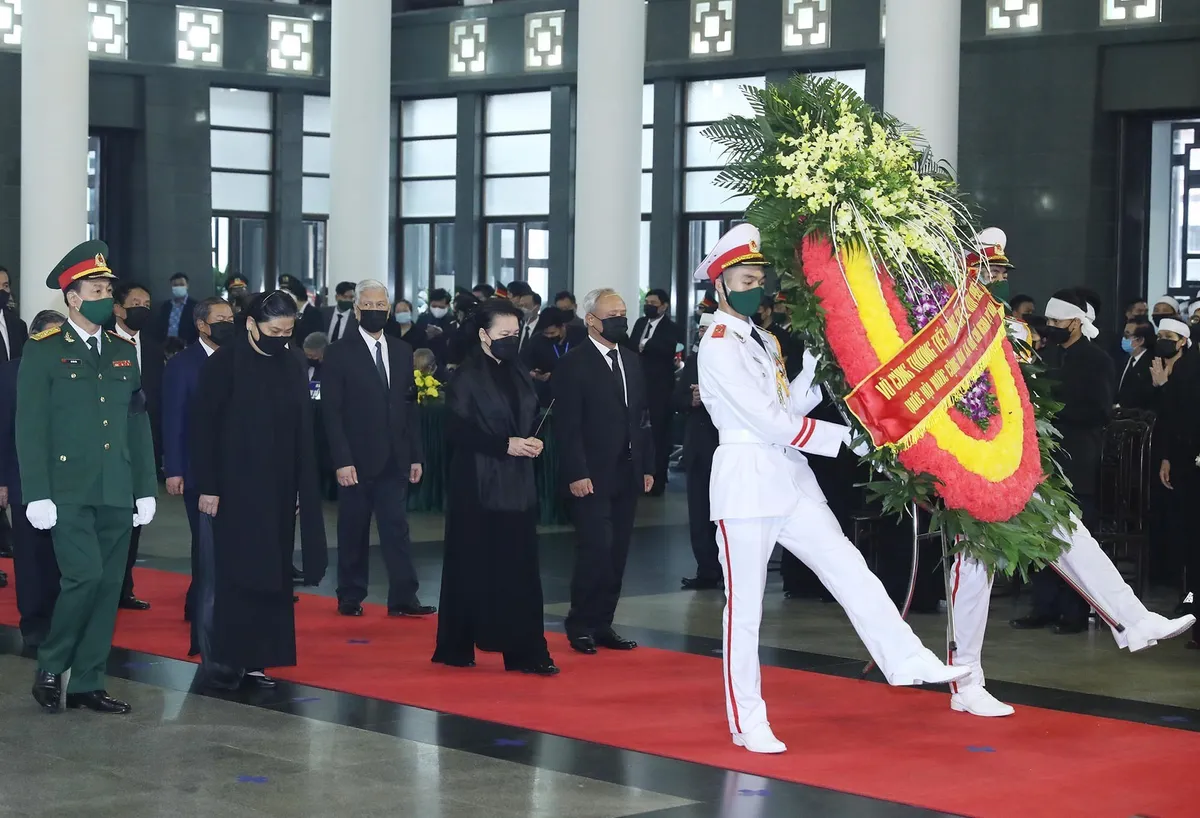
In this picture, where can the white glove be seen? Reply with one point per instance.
(145, 511)
(861, 449)
(809, 362)
(42, 514)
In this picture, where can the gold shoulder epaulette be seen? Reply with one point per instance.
(46, 333)
(117, 337)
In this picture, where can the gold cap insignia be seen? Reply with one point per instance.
(753, 246)
(100, 260)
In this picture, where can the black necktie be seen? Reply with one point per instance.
(614, 356)
(337, 328)
(379, 364)
(94, 343)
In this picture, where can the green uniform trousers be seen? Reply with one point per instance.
(91, 544)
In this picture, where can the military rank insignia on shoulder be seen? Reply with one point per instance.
(46, 333)
(718, 331)
(116, 337)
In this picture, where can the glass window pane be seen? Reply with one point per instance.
(433, 157)
(644, 256)
(415, 251)
(238, 108)
(241, 191)
(429, 117)
(700, 195)
(710, 100)
(427, 199)
(238, 150)
(1193, 227)
(647, 104)
(251, 258)
(528, 153)
(443, 250)
(316, 114)
(1182, 138)
(501, 253)
(701, 152)
(507, 113)
(647, 148)
(537, 243)
(647, 195)
(1194, 159)
(1175, 253)
(855, 78)
(1193, 270)
(517, 196)
(539, 280)
(316, 154)
(314, 195)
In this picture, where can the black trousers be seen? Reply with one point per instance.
(703, 531)
(191, 502)
(37, 574)
(661, 414)
(134, 539)
(1052, 596)
(603, 528)
(385, 496)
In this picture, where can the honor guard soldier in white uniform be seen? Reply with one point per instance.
(763, 492)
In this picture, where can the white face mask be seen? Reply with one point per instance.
(438, 312)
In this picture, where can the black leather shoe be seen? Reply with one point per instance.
(415, 609)
(6, 550)
(98, 701)
(454, 662)
(700, 584)
(47, 690)
(297, 576)
(583, 644)
(256, 681)
(546, 668)
(1032, 622)
(350, 610)
(1070, 626)
(612, 641)
(132, 603)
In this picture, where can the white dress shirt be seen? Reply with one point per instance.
(83, 336)
(604, 351)
(208, 350)
(338, 323)
(136, 345)
(651, 326)
(387, 364)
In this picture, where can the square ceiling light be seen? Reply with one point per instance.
(468, 47)
(710, 31)
(10, 24)
(805, 24)
(544, 40)
(1130, 12)
(290, 45)
(199, 36)
(108, 28)
(1014, 16)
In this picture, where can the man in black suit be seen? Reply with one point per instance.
(309, 318)
(553, 340)
(368, 402)
(655, 337)
(700, 441)
(1135, 388)
(338, 318)
(606, 459)
(174, 319)
(33, 552)
(132, 315)
(13, 333)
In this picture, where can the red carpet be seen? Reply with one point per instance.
(888, 743)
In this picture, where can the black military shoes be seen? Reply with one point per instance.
(47, 690)
(98, 701)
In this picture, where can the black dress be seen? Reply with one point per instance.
(258, 474)
(491, 586)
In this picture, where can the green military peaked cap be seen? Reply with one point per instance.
(87, 260)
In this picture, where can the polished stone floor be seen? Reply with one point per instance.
(307, 752)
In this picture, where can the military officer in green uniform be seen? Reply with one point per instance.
(87, 458)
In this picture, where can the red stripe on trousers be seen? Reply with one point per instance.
(737, 722)
(954, 596)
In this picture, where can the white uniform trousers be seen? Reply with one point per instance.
(812, 533)
(1082, 564)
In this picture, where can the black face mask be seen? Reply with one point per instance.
(137, 318)
(506, 349)
(221, 333)
(615, 329)
(272, 344)
(1165, 349)
(1055, 336)
(372, 320)
(650, 311)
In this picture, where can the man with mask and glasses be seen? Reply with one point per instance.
(215, 328)
(368, 402)
(131, 314)
(606, 460)
(763, 492)
(86, 453)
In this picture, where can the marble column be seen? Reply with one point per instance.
(920, 70)
(54, 133)
(608, 146)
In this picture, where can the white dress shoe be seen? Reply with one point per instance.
(978, 702)
(925, 668)
(1155, 628)
(760, 739)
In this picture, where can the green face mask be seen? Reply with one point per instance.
(999, 290)
(745, 303)
(98, 311)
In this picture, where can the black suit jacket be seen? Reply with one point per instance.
(154, 364)
(162, 322)
(1136, 389)
(658, 357)
(700, 437)
(350, 325)
(310, 321)
(10, 470)
(1086, 387)
(18, 332)
(591, 424)
(365, 423)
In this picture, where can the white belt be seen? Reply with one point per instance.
(729, 436)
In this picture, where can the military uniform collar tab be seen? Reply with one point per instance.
(732, 321)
